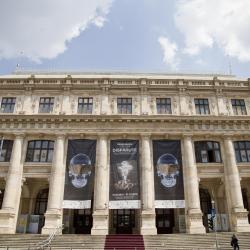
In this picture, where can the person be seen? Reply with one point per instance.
(234, 242)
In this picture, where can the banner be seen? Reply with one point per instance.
(79, 174)
(124, 191)
(168, 175)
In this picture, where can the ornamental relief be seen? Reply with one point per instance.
(72, 101)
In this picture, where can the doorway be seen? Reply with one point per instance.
(124, 220)
(164, 220)
(83, 221)
(206, 206)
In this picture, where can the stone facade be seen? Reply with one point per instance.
(21, 180)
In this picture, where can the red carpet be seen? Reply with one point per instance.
(124, 242)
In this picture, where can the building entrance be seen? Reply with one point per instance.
(82, 221)
(124, 220)
(164, 221)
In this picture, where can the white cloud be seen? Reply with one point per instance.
(41, 29)
(225, 23)
(169, 52)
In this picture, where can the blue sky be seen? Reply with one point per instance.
(183, 36)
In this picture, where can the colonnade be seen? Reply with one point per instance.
(53, 216)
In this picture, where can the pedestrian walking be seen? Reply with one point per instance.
(234, 242)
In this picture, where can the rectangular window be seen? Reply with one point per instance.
(201, 106)
(242, 151)
(163, 106)
(124, 105)
(40, 151)
(239, 107)
(46, 104)
(207, 151)
(8, 104)
(5, 152)
(85, 105)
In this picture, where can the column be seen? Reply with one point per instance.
(193, 211)
(101, 191)
(148, 209)
(239, 219)
(53, 216)
(13, 189)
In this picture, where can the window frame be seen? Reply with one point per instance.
(202, 106)
(241, 148)
(35, 150)
(163, 105)
(46, 105)
(239, 106)
(8, 146)
(207, 150)
(85, 107)
(8, 104)
(124, 105)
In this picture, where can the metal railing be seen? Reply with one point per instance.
(46, 242)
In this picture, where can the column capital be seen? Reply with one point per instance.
(145, 135)
(60, 135)
(187, 135)
(228, 136)
(103, 136)
(19, 135)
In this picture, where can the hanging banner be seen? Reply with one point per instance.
(124, 191)
(168, 175)
(79, 175)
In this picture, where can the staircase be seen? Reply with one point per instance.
(127, 242)
(195, 242)
(124, 242)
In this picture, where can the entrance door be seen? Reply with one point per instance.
(206, 206)
(124, 221)
(83, 221)
(164, 221)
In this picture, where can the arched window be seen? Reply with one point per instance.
(40, 151)
(207, 151)
(1, 197)
(41, 202)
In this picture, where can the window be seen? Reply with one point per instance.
(124, 105)
(46, 104)
(242, 151)
(1, 197)
(8, 104)
(239, 106)
(207, 151)
(163, 105)
(40, 151)
(41, 202)
(85, 105)
(202, 106)
(5, 150)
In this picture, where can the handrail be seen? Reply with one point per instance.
(46, 242)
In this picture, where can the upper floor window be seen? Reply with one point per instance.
(40, 151)
(242, 151)
(5, 150)
(8, 104)
(124, 105)
(239, 106)
(207, 151)
(163, 105)
(202, 106)
(85, 105)
(46, 104)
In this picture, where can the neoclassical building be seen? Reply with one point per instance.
(124, 153)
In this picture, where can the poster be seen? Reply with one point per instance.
(168, 174)
(79, 174)
(124, 191)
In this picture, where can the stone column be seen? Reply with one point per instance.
(53, 216)
(239, 219)
(147, 178)
(194, 215)
(13, 189)
(101, 191)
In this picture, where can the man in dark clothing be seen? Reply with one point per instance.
(234, 242)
